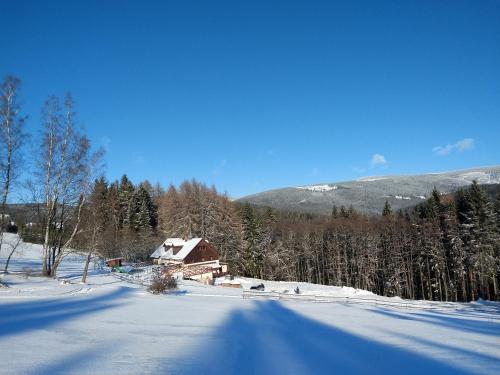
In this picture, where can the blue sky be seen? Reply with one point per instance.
(254, 95)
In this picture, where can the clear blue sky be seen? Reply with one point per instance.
(253, 95)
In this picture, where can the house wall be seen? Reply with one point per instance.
(203, 252)
(167, 261)
(205, 278)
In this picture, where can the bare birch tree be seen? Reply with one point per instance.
(64, 169)
(12, 139)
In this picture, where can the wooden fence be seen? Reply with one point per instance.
(428, 305)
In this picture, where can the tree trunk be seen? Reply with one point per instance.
(8, 259)
(62, 252)
(86, 269)
(46, 245)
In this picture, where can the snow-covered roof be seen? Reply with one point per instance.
(166, 250)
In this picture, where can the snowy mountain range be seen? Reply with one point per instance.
(369, 194)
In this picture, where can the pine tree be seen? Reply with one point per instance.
(430, 208)
(387, 211)
(114, 213)
(480, 240)
(266, 238)
(448, 251)
(125, 194)
(98, 202)
(142, 211)
(497, 248)
(251, 241)
(454, 250)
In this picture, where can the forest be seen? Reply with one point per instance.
(446, 248)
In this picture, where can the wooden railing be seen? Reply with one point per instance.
(428, 305)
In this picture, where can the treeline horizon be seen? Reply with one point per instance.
(446, 249)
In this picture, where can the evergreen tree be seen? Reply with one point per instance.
(430, 208)
(251, 240)
(454, 251)
(497, 210)
(266, 240)
(114, 213)
(98, 202)
(142, 211)
(480, 240)
(387, 211)
(125, 194)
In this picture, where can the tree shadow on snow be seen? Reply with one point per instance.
(271, 339)
(445, 320)
(21, 317)
(461, 352)
(72, 364)
(181, 292)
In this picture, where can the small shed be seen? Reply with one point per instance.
(113, 262)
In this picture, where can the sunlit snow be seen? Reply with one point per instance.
(113, 325)
(320, 188)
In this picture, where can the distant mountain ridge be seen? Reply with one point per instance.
(368, 194)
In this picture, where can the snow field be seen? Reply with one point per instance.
(113, 326)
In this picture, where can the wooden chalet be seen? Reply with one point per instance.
(194, 259)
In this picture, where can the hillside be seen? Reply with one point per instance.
(369, 194)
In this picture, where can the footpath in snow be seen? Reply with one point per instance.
(110, 325)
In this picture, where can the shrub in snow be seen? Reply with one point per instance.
(161, 283)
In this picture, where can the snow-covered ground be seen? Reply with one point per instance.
(110, 326)
(320, 188)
